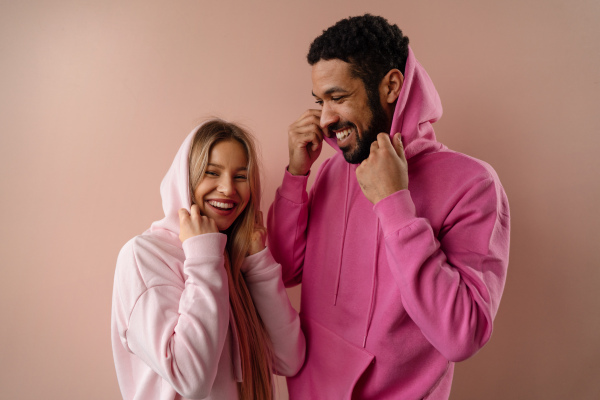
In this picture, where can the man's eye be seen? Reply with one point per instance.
(337, 98)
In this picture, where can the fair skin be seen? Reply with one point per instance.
(345, 114)
(221, 196)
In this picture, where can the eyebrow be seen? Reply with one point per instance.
(332, 90)
(222, 167)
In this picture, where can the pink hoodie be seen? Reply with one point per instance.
(171, 331)
(394, 294)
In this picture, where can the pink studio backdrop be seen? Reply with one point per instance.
(96, 97)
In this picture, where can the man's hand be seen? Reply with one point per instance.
(193, 224)
(385, 171)
(305, 141)
(259, 236)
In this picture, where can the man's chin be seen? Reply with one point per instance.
(352, 157)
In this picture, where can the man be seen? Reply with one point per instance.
(402, 244)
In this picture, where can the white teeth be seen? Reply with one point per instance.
(220, 205)
(343, 134)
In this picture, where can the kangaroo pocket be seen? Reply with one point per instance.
(332, 365)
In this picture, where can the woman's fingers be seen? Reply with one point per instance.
(192, 223)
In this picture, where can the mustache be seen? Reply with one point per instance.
(340, 125)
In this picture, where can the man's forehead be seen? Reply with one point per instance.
(333, 67)
(332, 76)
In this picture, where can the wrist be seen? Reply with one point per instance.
(297, 171)
(256, 249)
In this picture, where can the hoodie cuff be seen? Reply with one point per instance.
(293, 187)
(205, 245)
(395, 211)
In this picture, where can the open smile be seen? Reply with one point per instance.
(343, 135)
(222, 206)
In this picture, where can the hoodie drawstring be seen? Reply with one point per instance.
(339, 270)
(373, 286)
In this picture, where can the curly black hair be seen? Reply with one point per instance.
(369, 43)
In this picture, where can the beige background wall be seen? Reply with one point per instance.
(96, 96)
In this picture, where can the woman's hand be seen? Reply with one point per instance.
(259, 236)
(193, 224)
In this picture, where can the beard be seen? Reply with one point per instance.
(377, 125)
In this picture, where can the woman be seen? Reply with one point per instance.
(199, 308)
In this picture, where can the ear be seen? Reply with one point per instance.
(391, 85)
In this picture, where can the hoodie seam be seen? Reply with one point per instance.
(137, 300)
(439, 381)
(141, 277)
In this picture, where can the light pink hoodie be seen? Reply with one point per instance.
(394, 294)
(172, 334)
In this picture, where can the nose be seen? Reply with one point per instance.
(328, 116)
(226, 186)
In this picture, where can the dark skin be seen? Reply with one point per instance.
(345, 114)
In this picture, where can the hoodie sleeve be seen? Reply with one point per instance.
(451, 284)
(263, 277)
(179, 330)
(286, 224)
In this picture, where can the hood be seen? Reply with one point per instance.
(175, 188)
(417, 108)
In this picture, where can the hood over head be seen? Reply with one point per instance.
(175, 188)
(417, 108)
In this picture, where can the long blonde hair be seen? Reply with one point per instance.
(254, 341)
